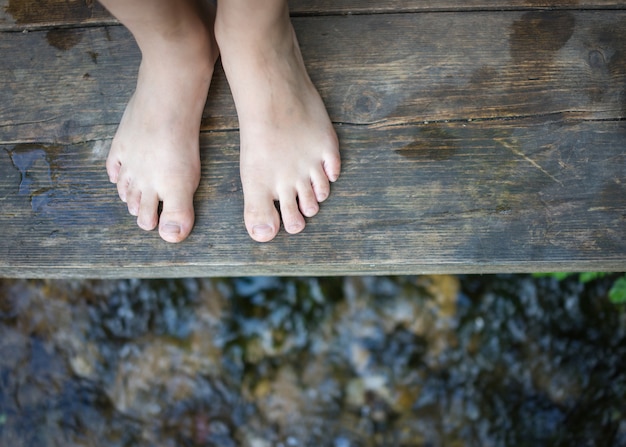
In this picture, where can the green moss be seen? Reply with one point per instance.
(617, 294)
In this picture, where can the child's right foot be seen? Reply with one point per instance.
(154, 156)
(289, 149)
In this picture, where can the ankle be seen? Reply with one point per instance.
(252, 23)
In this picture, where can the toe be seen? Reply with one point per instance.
(177, 217)
(320, 185)
(147, 217)
(332, 166)
(133, 200)
(260, 216)
(113, 166)
(292, 219)
(307, 201)
(123, 188)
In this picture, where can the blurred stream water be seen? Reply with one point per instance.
(337, 362)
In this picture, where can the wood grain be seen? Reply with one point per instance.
(30, 14)
(465, 197)
(474, 141)
(319, 7)
(446, 67)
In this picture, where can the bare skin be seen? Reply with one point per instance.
(154, 156)
(289, 149)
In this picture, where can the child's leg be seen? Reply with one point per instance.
(155, 155)
(289, 149)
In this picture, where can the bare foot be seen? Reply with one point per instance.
(289, 149)
(154, 156)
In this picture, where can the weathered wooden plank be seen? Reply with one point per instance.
(454, 66)
(521, 166)
(72, 85)
(25, 14)
(458, 197)
(387, 6)
(28, 14)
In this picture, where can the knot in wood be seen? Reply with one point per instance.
(362, 104)
(596, 59)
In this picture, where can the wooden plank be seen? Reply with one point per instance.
(72, 85)
(520, 167)
(28, 14)
(300, 7)
(461, 197)
(447, 67)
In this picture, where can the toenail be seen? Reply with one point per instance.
(262, 230)
(171, 228)
(321, 196)
(294, 227)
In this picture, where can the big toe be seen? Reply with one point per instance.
(260, 216)
(176, 219)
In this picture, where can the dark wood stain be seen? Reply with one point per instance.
(432, 142)
(539, 34)
(27, 12)
(484, 76)
(63, 38)
(94, 56)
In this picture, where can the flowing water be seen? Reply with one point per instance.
(338, 362)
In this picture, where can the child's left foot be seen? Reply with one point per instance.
(289, 149)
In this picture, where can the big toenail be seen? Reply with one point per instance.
(171, 228)
(262, 230)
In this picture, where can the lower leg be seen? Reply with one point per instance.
(154, 156)
(289, 149)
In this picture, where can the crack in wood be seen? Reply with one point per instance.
(528, 159)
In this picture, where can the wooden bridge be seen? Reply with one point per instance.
(477, 136)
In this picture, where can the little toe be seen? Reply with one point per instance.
(147, 218)
(113, 166)
(292, 219)
(307, 201)
(260, 216)
(176, 219)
